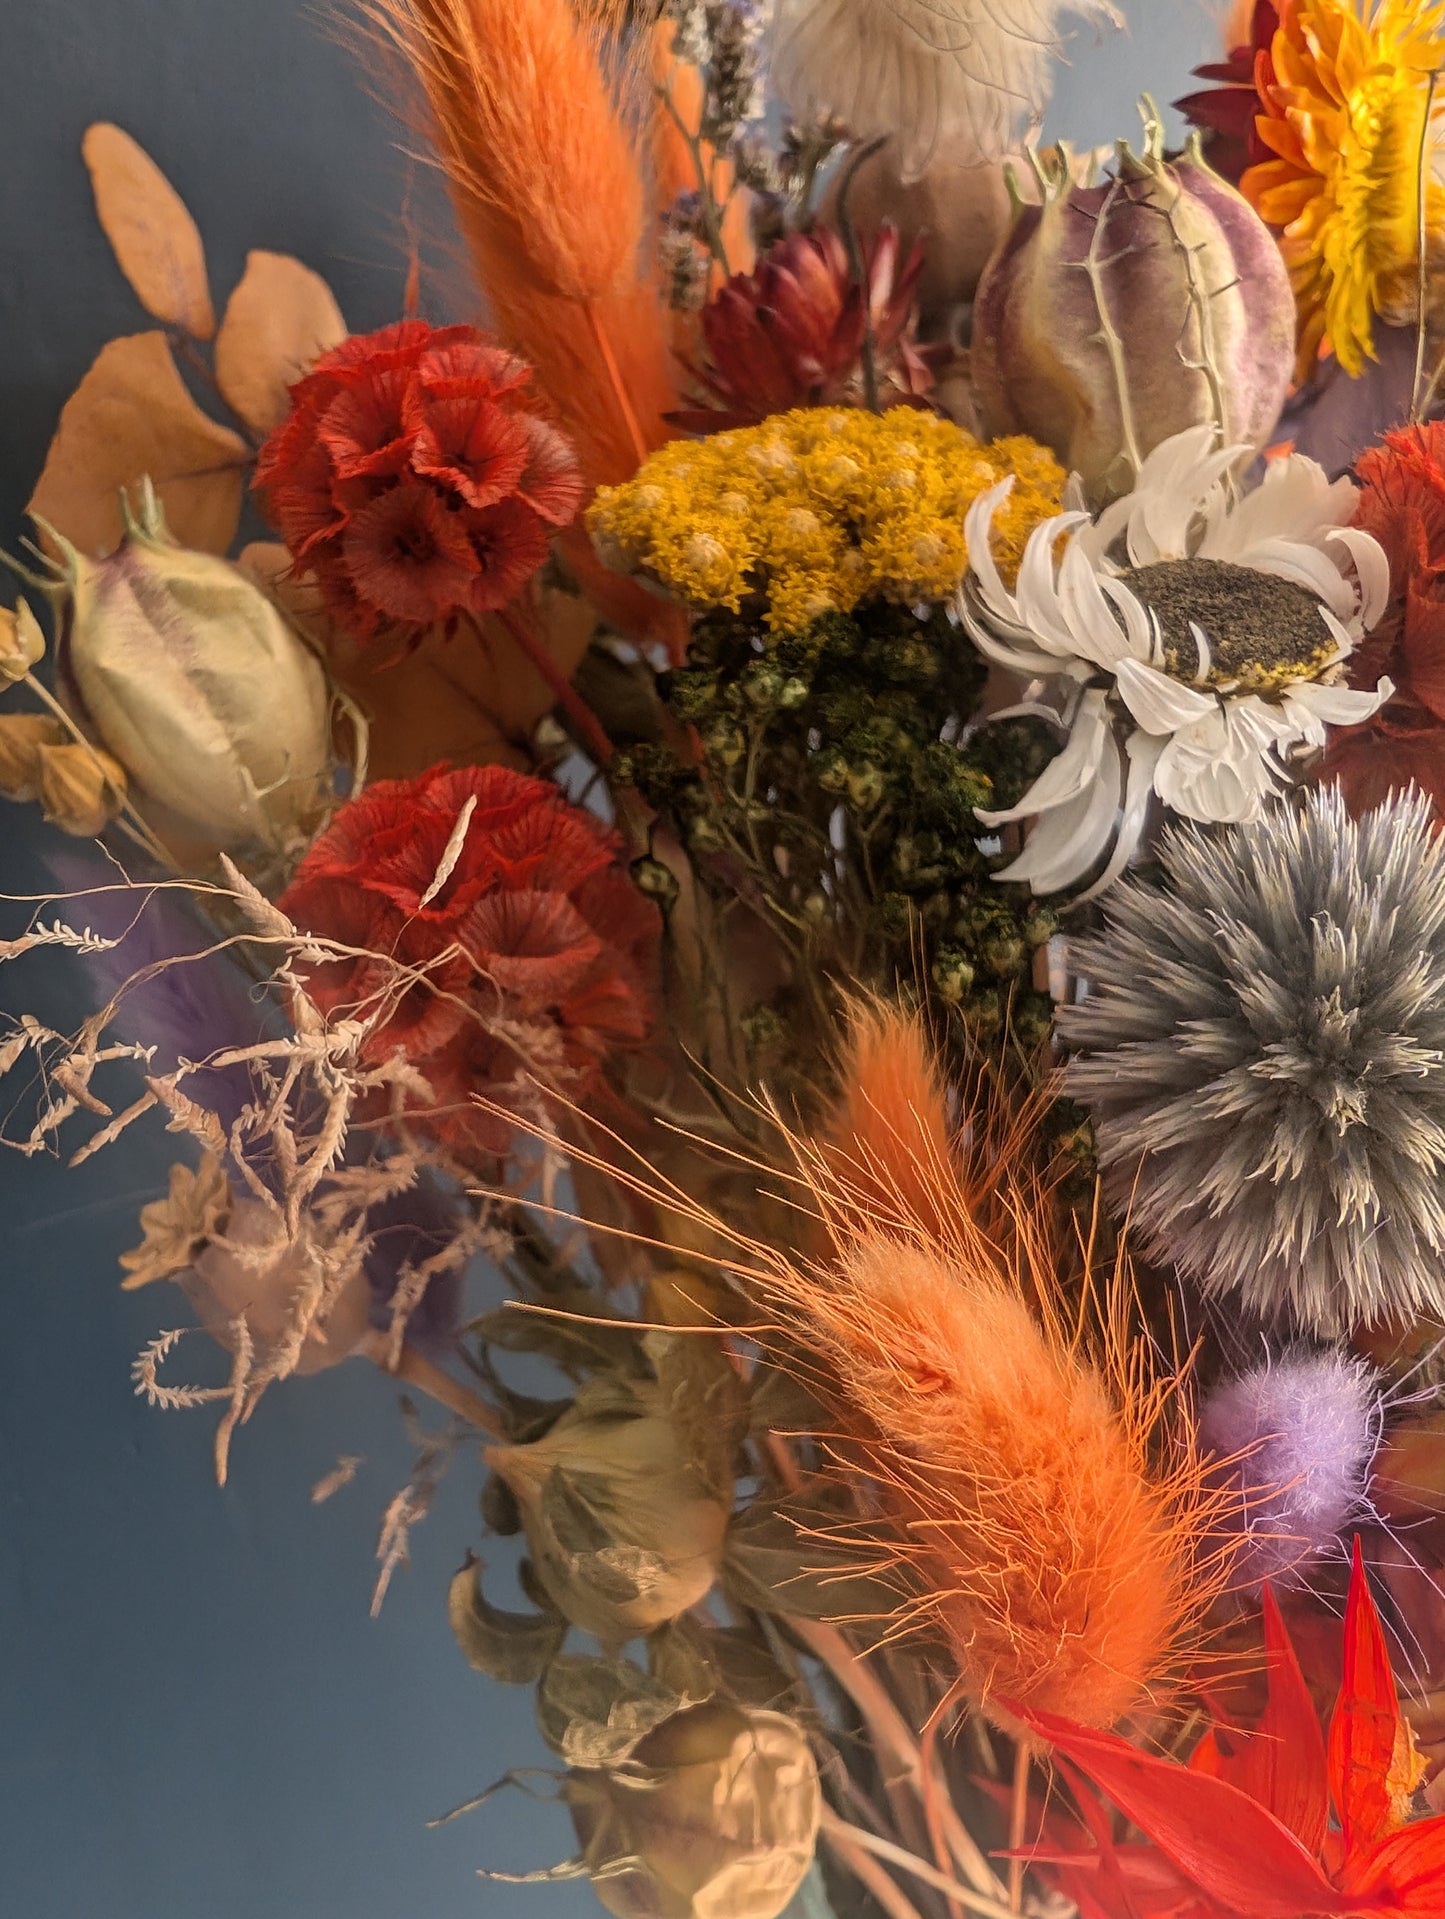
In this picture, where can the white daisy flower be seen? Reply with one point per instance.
(1191, 634)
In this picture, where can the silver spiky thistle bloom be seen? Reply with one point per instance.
(1263, 1053)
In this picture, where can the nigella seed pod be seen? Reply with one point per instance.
(1113, 316)
(715, 1816)
(196, 682)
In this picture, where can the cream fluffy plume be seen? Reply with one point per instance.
(971, 76)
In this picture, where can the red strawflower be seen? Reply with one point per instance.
(1402, 503)
(790, 333)
(531, 958)
(1227, 112)
(1244, 1831)
(409, 481)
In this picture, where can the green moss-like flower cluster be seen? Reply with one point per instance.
(831, 792)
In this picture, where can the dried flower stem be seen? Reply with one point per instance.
(618, 384)
(711, 212)
(429, 1378)
(1018, 1822)
(846, 1842)
(857, 1839)
(567, 696)
(890, 1731)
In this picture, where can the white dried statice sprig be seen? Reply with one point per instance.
(1262, 1050)
(970, 76)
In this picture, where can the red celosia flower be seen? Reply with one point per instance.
(790, 333)
(529, 956)
(408, 481)
(1228, 111)
(1244, 1831)
(1402, 502)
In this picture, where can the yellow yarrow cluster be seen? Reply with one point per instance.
(818, 510)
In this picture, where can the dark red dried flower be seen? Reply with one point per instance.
(535, 953)
(1402, 503)
(1227, 112)
(790, 333)
(409, 482)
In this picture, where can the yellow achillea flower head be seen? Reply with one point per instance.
(1345, 94)
(815, 511)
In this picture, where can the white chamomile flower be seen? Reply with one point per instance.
(1191, 632)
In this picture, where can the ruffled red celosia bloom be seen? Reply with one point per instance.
(1402, 502)
(535, 952)
(1226, 112)
(410, 482)
(790, 333)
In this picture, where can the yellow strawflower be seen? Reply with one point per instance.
(1345, 112)
(815, 511)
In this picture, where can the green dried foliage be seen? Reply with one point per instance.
(834, 796)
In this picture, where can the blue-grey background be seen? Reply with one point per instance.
(198, 1720)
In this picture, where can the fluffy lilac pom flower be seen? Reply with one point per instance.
(1297, 1434)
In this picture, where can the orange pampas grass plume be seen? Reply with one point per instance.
(547, 176)
(1041, 1541)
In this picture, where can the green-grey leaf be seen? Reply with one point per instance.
(511, 1646)
(775, 1563)
(592, 1712)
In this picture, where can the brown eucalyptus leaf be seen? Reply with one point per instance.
(156, 242)
(131, 418)
(592, 1712)
(513, 1647)
(279, 321)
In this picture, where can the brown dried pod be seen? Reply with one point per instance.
(715, 1816)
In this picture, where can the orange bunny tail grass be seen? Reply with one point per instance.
(1060, 1567)
(1022, 1467)
(526, 106)
(890, 1140)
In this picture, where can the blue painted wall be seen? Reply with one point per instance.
(197, 1718)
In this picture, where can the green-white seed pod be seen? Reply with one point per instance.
(714, 1816)
(198, 684)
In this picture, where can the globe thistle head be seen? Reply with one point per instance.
(1293, 1438)
(1263, 1054)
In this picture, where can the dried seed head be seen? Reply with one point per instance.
(715, 1817)
(22, 643)
(81, 788)
(23, 737)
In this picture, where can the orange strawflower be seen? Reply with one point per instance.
(1345, 96)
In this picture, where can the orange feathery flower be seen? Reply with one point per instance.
(1038, 1538)
(1345, 96)
(525, 108)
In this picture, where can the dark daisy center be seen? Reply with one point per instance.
(1262, 631)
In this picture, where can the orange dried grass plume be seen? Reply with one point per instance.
(1064, 1568)
(526, 106)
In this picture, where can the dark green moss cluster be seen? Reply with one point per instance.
(830, 793)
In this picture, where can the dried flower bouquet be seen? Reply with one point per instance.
(827, 783)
